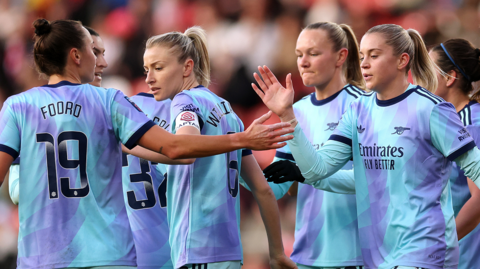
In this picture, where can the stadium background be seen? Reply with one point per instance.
(242, 34)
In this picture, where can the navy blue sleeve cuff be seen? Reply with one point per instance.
(17, 160)
(9, 151)
(246, 152)
(341, 139)
(285, 156)
(461, 150)
(132, 142)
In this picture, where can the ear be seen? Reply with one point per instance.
(188, 67)
(451, 78)
(403, 61)
(74, 55)
(342, 56)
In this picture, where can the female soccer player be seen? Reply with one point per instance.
(326, 230)
(403, 140)
(459, 64)
(203, 199)
(69, 137)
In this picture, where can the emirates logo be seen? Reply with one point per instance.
(187, 116)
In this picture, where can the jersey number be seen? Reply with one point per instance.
(65, 163)
(232, 171)
(145, 177)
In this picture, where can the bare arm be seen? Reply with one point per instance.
(469, 216)
(257, 137)
(152, 156)
(253, 176)
(5, 162)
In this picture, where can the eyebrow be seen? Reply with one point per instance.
(370, 50)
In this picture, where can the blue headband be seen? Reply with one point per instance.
(451, 59)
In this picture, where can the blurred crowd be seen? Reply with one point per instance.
(242, 34)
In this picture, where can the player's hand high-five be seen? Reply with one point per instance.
(277, 98)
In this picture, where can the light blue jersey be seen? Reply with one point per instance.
(203, 198)
(69, 138)
(470, 244)
(326, 229)
(403, 150)
(145, 189)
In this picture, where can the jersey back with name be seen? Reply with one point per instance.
(145, 189)
(470, 244)
(402, 151)
(70, 210)
(326, 232)
(203, 198)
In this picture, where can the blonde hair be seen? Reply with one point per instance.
(342, 36)
(191, 44)
(410, 42)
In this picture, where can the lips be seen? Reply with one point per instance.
(98, 75)
(154, 90)
(367, 77)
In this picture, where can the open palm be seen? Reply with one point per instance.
(277, 98)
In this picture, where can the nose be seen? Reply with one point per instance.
(303, 61)
(101, 62)
(149, 79)
(364, 64)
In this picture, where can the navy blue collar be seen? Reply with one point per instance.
(60, 84)
(397, 99)
(327, 100)
(145, 94)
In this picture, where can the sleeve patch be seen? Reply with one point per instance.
(187, 118)
(133, 104)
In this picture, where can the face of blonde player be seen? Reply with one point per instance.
(164, 72)
(442, 89)
(315, 57)
(88, 59)
(99, 50)
(379, 64)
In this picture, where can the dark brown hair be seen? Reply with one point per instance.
(91, 31)
(342, 36)
(466, 57)
(53, 41)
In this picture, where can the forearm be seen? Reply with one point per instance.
(5, 162)
(342, 182)
(317, 165)
(152, 156)
(468, 217)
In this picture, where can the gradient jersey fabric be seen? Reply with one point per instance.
(145, 189)
(326, 232)
(70, 210)
(403, 150)
(203, 198)
(470, 244)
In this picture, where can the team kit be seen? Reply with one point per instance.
(385, 170)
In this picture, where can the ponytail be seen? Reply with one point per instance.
(342, 37)
(422, 66)
(353, 71)
(191, 44)
(410, 42)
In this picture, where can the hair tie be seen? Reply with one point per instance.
(458, 67)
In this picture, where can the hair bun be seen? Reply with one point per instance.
(42, 27)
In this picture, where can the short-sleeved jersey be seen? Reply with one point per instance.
(70, 210)
(326, 231)
(203, 198)
(145, 187)
(470, 244)
(403, 150)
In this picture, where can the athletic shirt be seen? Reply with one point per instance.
(326, 232)
(70, 212)
(403, 150)
(203, 198)
(145, 187)
(470, 244)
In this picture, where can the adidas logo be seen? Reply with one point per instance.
(360, 129)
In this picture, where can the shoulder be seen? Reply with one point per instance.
(306, 100)
(424, 95)
(470, 114)
(353, 91)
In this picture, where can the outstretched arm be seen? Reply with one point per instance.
(253, 176)
(257, 137)
(469, 216)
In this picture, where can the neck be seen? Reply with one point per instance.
(458, 99)
(189, 82)
(393, 89)
(74, 78)
(333, 86)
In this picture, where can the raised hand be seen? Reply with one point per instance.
(282, 262)
(262, 137)
(277, 98)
